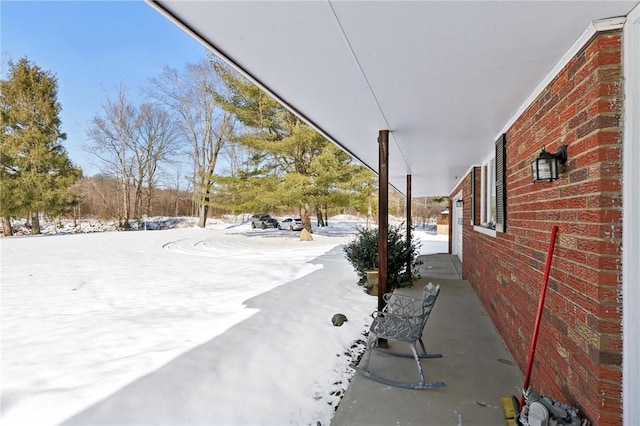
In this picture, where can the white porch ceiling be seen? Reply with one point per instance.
(444, 77)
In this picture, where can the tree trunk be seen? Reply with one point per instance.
(148, 206)
(138, 202)
(35, 223)
(203, 211)
(319, 216)
(7, 230)
(126, 200)
(306, 218)
(326, 219)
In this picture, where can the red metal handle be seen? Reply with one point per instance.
(536, 329)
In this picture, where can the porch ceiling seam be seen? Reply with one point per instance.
(369, 86)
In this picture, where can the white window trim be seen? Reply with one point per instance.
(485, 206)
(487, 188)
(485, 231)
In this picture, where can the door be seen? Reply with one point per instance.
(456, 222)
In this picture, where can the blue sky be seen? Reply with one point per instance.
(92, 46)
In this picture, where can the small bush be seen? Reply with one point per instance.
(362, 254)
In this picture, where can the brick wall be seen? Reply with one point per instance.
(578, 358)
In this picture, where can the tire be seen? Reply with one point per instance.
(264, 225)
(291, 229)
(253, 225)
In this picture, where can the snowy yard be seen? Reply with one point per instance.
(217, 326)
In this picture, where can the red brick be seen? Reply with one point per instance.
(612, 419)
(611, 343)
(604, 326)
(609, 73)
(608, 278)
(609, 312)
(612, 41)
(608, 263)
(598, 122)
(600, 216)
(598, 247)
(607, 58)
(609, 374)
(608, 89)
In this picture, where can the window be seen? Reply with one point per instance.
(488, 193)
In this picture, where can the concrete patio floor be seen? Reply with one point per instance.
(476, 366)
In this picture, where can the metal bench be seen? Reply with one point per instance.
(403, 319)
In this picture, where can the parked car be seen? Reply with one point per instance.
(263, 221)
(291, 223)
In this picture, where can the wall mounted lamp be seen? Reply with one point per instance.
(545, 167)
(459, 202)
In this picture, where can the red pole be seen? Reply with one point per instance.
(536, 329)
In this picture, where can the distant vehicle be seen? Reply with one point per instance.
(263, 221)
(291, 223)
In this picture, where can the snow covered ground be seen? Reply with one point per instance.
(217, 326)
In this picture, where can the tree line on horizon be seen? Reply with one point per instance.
(245, 152)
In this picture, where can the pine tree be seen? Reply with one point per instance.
(292, 165)
(35, 172)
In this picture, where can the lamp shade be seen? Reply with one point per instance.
(545, 167)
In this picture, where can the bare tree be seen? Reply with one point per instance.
(207, 128)
(113, 134)
(237, 158)
(99, 196)
(179, 193)
(157, 143)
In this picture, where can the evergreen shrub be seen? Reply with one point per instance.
(362, 254)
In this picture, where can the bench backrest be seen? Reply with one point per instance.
(415, 310)
(407, 305)
(431, 293)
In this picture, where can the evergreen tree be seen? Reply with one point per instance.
(344, 183)
(291, 165)
(35, 172)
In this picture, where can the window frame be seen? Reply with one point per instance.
(488, 192)
(492, 195)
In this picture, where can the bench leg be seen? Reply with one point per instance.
(424, 353)
(421, 384)
(371, 343)
(420, 372)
